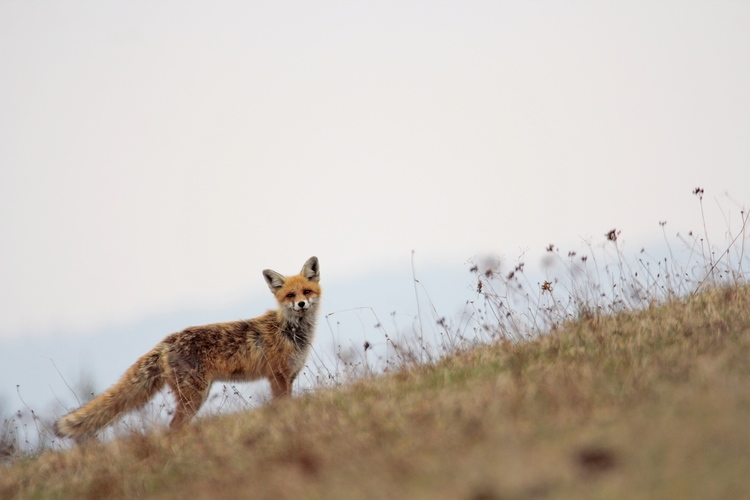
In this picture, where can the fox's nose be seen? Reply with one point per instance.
(301, 304)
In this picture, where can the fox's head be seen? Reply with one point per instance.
(297, 295)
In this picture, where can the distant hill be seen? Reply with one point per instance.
(49, 370)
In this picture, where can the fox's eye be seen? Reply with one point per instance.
(307, 292)
(289, 295)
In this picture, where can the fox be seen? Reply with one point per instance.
(274, 346)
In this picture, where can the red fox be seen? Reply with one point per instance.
(274, 345)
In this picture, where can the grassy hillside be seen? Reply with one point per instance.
(652, 404)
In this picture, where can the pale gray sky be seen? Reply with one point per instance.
(156, 155)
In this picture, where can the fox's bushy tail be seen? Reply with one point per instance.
(134, 389)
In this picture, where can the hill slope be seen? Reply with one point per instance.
(653, 403)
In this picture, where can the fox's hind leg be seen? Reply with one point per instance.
(190, 397)
(281, 386)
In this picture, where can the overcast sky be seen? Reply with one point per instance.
(158, 155)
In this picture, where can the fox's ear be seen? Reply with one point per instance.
(274, 280)
(311, 269)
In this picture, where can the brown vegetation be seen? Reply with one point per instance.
(652, 403)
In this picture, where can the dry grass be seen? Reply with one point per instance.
(647, 404)
(605, 378)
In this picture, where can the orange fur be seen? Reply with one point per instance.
(273, 346)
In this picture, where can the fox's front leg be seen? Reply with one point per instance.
(281, 386)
